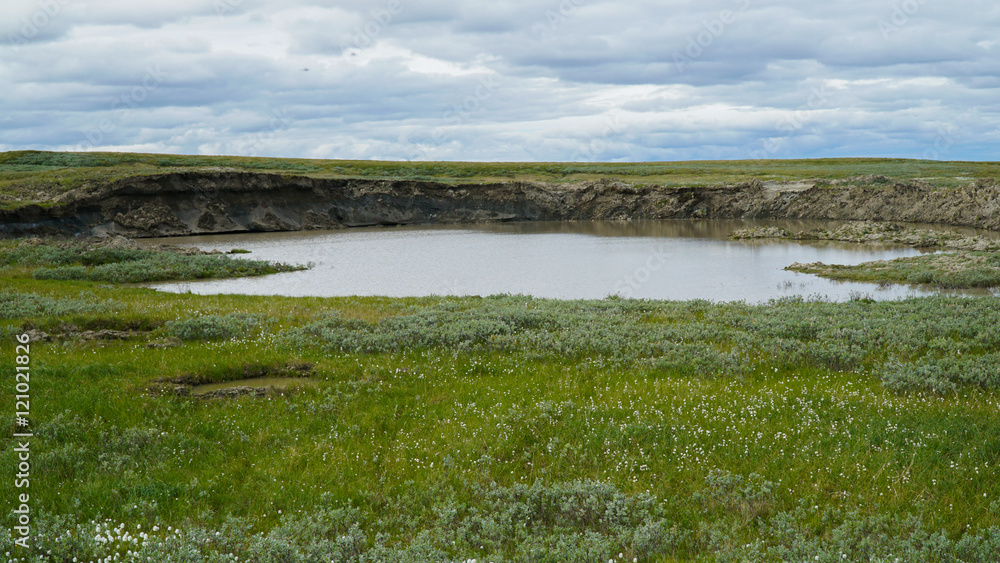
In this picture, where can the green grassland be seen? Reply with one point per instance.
(950, 270)
(36, 176)
(503, 428)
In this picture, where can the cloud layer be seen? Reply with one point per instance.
(509, 80)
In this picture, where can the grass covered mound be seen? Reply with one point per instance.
(122, 261)
(950, 270)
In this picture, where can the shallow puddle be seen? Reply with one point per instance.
(255, 383)
(566, 260)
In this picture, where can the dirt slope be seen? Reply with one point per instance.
(219, 202)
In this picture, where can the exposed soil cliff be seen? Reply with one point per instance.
(220, 202)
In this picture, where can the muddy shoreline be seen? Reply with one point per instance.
(195, 203)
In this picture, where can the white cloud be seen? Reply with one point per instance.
(511, 80)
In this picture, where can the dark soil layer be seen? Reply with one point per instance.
(187, 203)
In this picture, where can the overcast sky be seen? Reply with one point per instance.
(580, 80)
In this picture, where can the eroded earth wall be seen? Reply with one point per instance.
(223, 202)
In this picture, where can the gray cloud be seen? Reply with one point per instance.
(514, 80)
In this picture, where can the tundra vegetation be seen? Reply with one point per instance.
(969, 261)
(952, 270)
(40, 177)
(503, 428)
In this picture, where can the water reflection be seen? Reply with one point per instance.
(566, 260)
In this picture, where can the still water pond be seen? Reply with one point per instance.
(569, 260)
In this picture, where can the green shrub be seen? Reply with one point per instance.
(691, 338)
(38, 255)
(470, 531)
(699, 360)
(216, 327)
(853, 536)
(15, 305)
(943, 375)
(750, 496)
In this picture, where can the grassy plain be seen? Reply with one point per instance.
(504, 428)
(36, 176)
